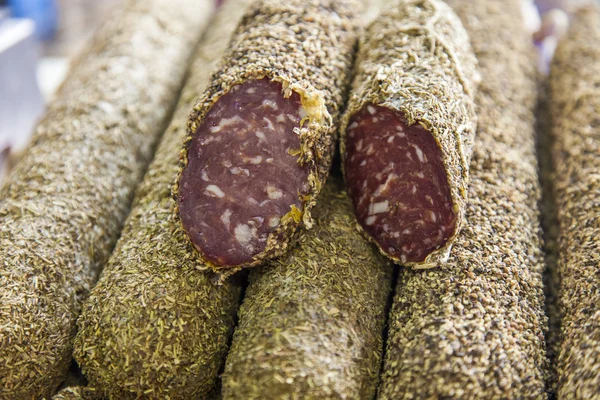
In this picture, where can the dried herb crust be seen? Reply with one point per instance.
(416, 58)
(308, 47)
(156, 325)
(311, 323)
(63, 207)
(474, 328)
(575, 107)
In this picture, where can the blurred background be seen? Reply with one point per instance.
(39, 37)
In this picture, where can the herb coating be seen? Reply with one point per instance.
(63, 207)
(575, 106)
(474, 328)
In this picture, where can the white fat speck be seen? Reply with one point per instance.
(372, 110)
(251, 90)
(364, 185)
(260, 135)
(274, 193)
(350, 134)
(214, 191)
(204, 176)
(429, 199)
(252, 200)
(406, 231)
(273, 222)
(225, 218)
(227, 164)
(371, 220)
(378, 208)
(432, 216)
(427, 241)
(238, 171)
(269, 123)
(419, 153)
(408, 155)
(385, 185)
(359, 145)
(370, 150)
(226, 122)
(401, 135)
(420, 175)
(353, 125)
(253, 160)
(414, 189)
(280, 118)
(271, 104)
(386, 228)
(378, 176)
(390, 139)
(396, 235)
(244, 234)
(210, 139)
(269, 160)
(362, 198)
(363, 163)
(403, 258)
(302, 113)
(375, 119)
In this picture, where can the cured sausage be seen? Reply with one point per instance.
(156, 325)
(311, 324)
(261, 138)
(64, 205)
(474, 328)
(574, 105)
(408, 130)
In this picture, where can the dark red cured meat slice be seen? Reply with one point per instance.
(398, 184)
(241, 179)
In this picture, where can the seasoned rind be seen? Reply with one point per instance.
(311, 324)
(307, 46)
(63, 207)
(575, 108)
(474, 328)
(416, 58)
(156, 325)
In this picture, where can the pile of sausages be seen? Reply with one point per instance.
(342, 205)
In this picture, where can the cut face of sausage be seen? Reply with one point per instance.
(241, 179)
(397, 183)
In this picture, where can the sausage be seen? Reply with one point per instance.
(474, 328)
(574, 104)
(156, 325)
(261, 138)
(63, 206)
(311, 324)
(408, 130)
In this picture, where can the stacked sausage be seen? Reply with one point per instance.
(428, 182)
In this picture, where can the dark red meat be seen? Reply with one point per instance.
(397, 183)
(241, 179)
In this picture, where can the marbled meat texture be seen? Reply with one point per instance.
(256, 186)
(575, 109)
(408, 131)
(261, 138)
(156, 326)
(64, 205)
(474, 328)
